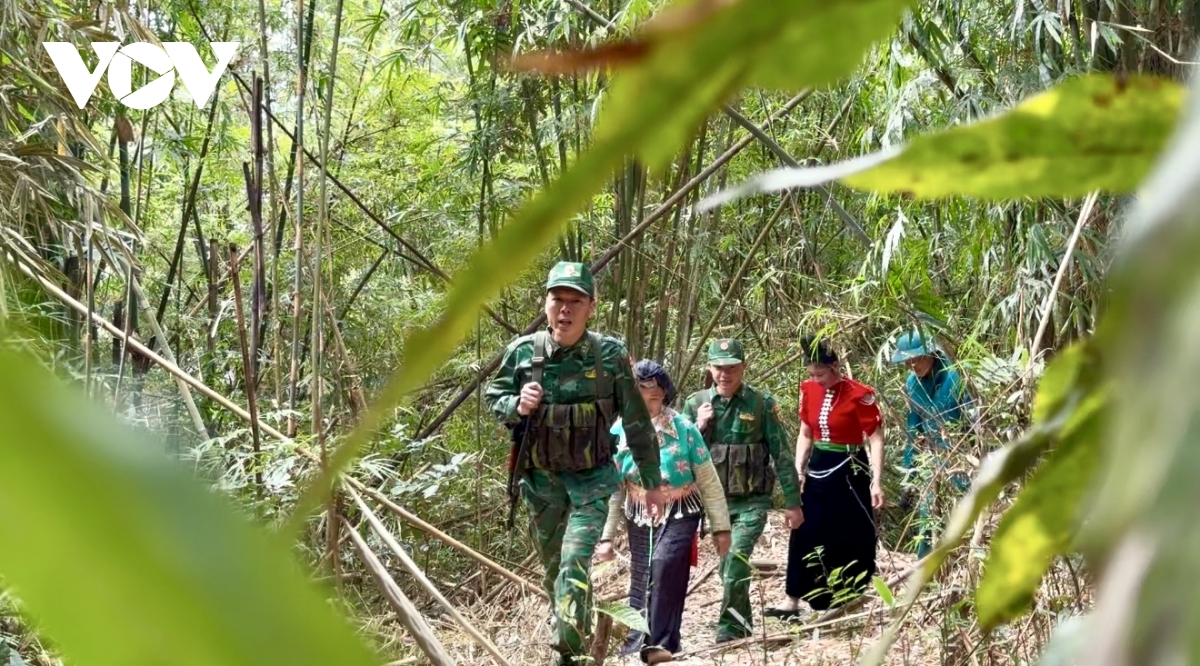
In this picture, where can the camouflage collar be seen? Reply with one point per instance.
(739, 394)
(552, 345)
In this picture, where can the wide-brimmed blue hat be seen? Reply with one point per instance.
(911, 345)
(646, 370)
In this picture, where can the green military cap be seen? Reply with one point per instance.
(725, 352)
(573, 275)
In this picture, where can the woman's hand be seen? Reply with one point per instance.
(877, 500)
(722, 541)
(604, 552)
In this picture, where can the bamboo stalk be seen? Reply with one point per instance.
(733, 283)
(183, 376)
(318, 319)
(247, 372)
(420, 577)
(446, 538)
(1048, 303)
(168, 365)
(298, 217)
(409, 616)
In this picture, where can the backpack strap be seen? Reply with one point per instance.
(540, 340)
(603, 381)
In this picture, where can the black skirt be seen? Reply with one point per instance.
(831, 557)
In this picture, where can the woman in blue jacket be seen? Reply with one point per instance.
(937, 407)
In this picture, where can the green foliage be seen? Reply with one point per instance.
(126, 559)
(1041, 524)
(625, 614)
(1143, 530)
(1090, 133)
(782, 44)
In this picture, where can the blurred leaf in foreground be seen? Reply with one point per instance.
(125, 559)
(1095, 132)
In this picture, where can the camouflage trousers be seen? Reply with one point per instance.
(566, 517)
(737, 618)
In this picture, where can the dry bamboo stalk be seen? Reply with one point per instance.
(247, 370)
(133, 342)
(447, 539)
(405, 610)
(415, 571)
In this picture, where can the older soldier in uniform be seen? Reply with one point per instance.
(561, 390)
(742, 429)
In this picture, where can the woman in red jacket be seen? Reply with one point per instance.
(841, 487)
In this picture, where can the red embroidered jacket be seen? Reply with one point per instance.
(845, 414)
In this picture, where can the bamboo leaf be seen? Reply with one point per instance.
(1079, 404)
(1095, 132)
(625, 614)
(1144, 529)
(125, 559)
(651, 110)
(1040, 525)
(885, 593)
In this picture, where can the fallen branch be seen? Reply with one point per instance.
(445, 538)
(405, 610)
(776, 638)
(419, 576)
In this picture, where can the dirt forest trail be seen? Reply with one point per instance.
(517, 623)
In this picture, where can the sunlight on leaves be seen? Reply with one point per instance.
(1094, 132)
(1040, 525)
(1144, 530)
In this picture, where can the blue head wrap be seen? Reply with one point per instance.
(646, 370)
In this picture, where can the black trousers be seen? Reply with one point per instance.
(831, 557)
(658, 580)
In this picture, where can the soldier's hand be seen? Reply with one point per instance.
(794, 517)
(722, 541)
(531, 397)
(704, 415)
(605, 552)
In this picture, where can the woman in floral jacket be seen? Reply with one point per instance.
(660, 552)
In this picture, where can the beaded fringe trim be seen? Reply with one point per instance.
(681, 502)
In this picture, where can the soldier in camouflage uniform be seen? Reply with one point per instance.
(742, 429)
(565, 457)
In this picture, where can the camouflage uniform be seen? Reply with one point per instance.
(568, 509)
(750, 417)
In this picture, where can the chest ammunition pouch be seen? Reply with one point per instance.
(571, 437)
(742, 459)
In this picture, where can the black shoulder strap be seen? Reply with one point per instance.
(603, 381)
(540, 340)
